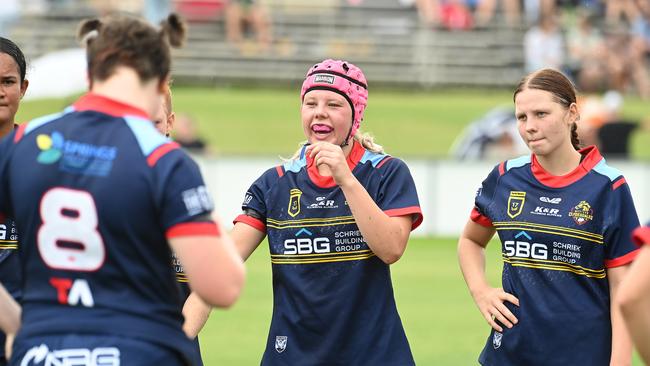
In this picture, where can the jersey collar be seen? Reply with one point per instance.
(112, 107)
(356, 153)
(591, 157)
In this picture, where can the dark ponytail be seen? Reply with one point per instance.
(575, 141)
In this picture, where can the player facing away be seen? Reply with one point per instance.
(13, 86)
(336, 215)
(99, 196)
(195, 311)
(564, 219)
(634, 295)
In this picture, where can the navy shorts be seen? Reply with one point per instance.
(91, 350)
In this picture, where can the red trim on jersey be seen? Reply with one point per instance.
(328, 182)
(404, 211)
(622, 260)
(383, 161)
(20, 132)
(280, 170)
(591, 158)
(479, 218)
(2, 217)
(618, 183)
(502, 168)
(106, 105)
(641, 235)
(160, 151)
(193, 229)
(250, 221)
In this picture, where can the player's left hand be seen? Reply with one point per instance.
(325, 153)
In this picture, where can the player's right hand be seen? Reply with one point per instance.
(490, 302)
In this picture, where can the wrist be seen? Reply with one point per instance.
(348, 182)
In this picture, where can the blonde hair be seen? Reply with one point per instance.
(364, 138)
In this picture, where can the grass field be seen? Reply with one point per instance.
(442, 323)
(264, 121)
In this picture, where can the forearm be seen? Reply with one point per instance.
(386, 237)
(471, 258)
(196, 314)
(621, 341)
(10, 314)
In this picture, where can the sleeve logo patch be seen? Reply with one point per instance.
(197, 200)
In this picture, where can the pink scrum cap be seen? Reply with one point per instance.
(343, 78)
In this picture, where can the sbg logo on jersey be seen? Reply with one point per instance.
(42, 356)
(582, 213)
(516, 203)
(76, 157)
(306, 245)
(73, 293)
(294, 202)
(524, 249)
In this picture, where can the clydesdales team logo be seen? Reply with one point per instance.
(280, 343)
(516, 203)
(294, 202)
(496, 339)
(582, 213)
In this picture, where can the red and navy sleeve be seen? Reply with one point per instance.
(641, 235)
(254, 210)
(397, 195)
(183, 199)
(621, 221)
(484, 195)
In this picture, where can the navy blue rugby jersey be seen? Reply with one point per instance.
(9, 266)
(96, 192)
(333, 298)
(559, 234)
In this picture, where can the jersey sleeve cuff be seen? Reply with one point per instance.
(251, 221)
(622, 260)
(479, 218)
(193, 229)
(641, 235)
(414, 211)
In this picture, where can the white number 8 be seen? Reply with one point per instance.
(70, 216)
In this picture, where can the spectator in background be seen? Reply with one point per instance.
(486, 9)
(250, 13)
(641, 28)
(625, 63)
(449, 14)
(544, 45)
(586, 53)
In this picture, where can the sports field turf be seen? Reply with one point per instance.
(408, 123)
